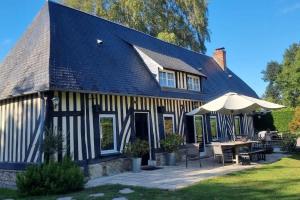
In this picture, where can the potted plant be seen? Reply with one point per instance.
(135, 150)
(170, 145)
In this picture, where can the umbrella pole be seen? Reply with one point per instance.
(232, 123)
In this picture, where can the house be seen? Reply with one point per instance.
(103, 84)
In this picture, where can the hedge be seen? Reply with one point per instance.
(282, 118)
(276, 120)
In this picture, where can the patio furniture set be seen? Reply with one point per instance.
(241, 149)
(239, 152)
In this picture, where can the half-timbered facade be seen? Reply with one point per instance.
(101, 85)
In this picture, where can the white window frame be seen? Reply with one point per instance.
(170, 72)
(203, 137)
(215, 117)
(193, 83)
(173, 121)
(113, 116)
(239, 118)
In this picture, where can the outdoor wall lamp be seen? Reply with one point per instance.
(55, 101)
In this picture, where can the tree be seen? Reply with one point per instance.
(168, 37)
(182, 22)
(270, 75)
(289, 78)
(284, 79)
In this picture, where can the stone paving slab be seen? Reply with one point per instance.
(120, 198)
(97, 195)
(176, 177)
(126, 191)
(64, 198)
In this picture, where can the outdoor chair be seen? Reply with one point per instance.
(223, 154)
(192, 153)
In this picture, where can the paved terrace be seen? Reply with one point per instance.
(176, 177)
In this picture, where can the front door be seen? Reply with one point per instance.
(142, 131)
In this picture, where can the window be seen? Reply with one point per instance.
(193, 83)
(108, 133)
(168, 124)
(237, 125)
(213, 127)
(167, 79)
(198, 123)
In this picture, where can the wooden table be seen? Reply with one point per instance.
(236, 146)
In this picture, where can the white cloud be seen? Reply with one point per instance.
(291, 8)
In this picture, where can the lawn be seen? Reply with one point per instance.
(280, 180)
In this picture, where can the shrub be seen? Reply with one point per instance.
(275, 120)
(282, 118)
(172, 142)
(289, 142)
(52, 143)
(50, 178)
(294, 125)
(136, 149)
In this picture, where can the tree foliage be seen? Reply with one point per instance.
(182, 22)
(284, 78)
(289, 78)
(270, 75)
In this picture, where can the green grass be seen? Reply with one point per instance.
(280, 180)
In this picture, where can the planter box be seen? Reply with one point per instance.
(136, 164)
(161, 157)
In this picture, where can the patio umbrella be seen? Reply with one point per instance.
(233, 103)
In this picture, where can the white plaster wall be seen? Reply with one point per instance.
(151, 64)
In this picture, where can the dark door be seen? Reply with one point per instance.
(141, 129)
(190, 135)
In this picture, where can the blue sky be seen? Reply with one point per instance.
(253, 32)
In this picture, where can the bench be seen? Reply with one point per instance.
(246, 157)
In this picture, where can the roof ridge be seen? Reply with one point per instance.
(117, 23)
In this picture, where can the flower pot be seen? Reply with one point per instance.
(171, 159)
(136, 164)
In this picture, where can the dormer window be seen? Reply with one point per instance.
(193, 83)
(167, 79)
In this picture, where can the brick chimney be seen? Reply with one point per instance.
(220, 57)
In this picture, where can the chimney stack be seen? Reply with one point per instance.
(220, 57)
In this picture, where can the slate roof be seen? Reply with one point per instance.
(59, 52)
(25, 68)
(169, 61)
